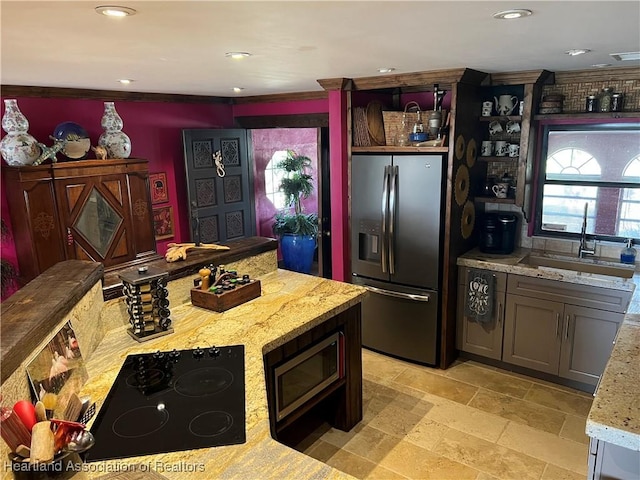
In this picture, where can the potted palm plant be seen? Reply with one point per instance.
(297, 230)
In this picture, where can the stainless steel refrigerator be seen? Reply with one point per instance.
(396, 231)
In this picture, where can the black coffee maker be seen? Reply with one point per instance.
(498, 233)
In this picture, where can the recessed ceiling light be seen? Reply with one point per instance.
(238, 89)
(627, 56)
(237, 55)
(386, 69)
(601, 65)
(125, 81)
(513, 13)
(577, 51)
(115, 11)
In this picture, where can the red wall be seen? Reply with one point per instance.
(303, 141)
(155, 129)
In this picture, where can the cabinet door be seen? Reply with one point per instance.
(532, 333)
(94, 211)
(587, 341)
(481, 338)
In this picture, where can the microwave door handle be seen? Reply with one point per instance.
(393, 194)
(404, 296)
(385, 208)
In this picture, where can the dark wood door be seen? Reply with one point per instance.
(220, 202)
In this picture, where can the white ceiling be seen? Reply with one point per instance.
(179, 46)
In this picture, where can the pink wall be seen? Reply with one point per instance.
(304, 141)
(155, 129)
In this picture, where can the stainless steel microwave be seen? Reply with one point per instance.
(308, 373)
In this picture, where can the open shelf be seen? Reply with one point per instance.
(498, 159)
(502, 118)
(396, 149)
(494, 200)
(586, 116)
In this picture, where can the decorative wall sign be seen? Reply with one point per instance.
(158, 186)
(163, 222)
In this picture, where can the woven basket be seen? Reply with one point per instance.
(393, 127)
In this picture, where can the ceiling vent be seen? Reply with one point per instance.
(626, 57)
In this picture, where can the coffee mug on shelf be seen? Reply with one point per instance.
(514, 150)
(495, 127)
(487, 148)
(502, 147)
(487, 109)
(513, 127)
(500, 190)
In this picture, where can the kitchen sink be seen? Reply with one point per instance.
(579, 265)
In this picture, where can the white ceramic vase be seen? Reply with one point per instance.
(117, 143)
(18, 148)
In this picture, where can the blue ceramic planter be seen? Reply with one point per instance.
(297, 252)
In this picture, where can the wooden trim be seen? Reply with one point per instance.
(598, 75)
(542, 77)
(335, 83)
(282, 97)
(587, 116)
(311, 120)
(107, 95)
(444, 78)
(396, 149)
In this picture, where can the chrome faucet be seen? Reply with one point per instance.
(583, 249)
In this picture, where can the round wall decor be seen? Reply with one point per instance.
(472, 151)
(459, 151)
(468, 220)
(461, 185)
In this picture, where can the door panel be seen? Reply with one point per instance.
(367, 178)
(588, 336)
(532, 333)
(417, 226)
(221, 206)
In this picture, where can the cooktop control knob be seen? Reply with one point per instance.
(158, 355)
(198, 353)
(174, 354)
(214, 352)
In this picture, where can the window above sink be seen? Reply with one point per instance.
(596, 164)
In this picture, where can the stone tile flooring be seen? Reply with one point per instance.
(470, 421)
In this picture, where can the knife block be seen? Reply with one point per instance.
(220, 302)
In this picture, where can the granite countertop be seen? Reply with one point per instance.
(615, 413)
(290, 304)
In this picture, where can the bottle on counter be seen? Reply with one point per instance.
(628, 253)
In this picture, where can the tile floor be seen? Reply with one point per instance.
(470, 421)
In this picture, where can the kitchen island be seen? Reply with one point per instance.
(291, 304)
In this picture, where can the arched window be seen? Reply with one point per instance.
(629, 214)
(272, 178)
(563, 200)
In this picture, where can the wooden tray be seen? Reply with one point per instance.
(229, 299)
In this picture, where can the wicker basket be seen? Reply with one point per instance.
(393, 127)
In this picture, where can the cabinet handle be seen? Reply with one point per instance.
(557, 324)
(69, 237)
(566, 331)
(500, 313)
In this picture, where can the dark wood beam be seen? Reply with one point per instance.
(598, 75)
(106, 95)
(539, 77)
(310, 120)
(282, 97)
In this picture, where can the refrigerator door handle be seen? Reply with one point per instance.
(385, 209)
(406, 296)
(392, 218)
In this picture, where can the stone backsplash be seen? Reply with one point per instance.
(575, 94)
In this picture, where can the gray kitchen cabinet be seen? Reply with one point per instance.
(587, 342)
(608, 462)
(572, 338)
(532, 333)
(483, 339)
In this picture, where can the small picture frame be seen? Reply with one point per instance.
(158, 187)
(163, 222)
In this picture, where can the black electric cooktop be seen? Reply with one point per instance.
(171, 401)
